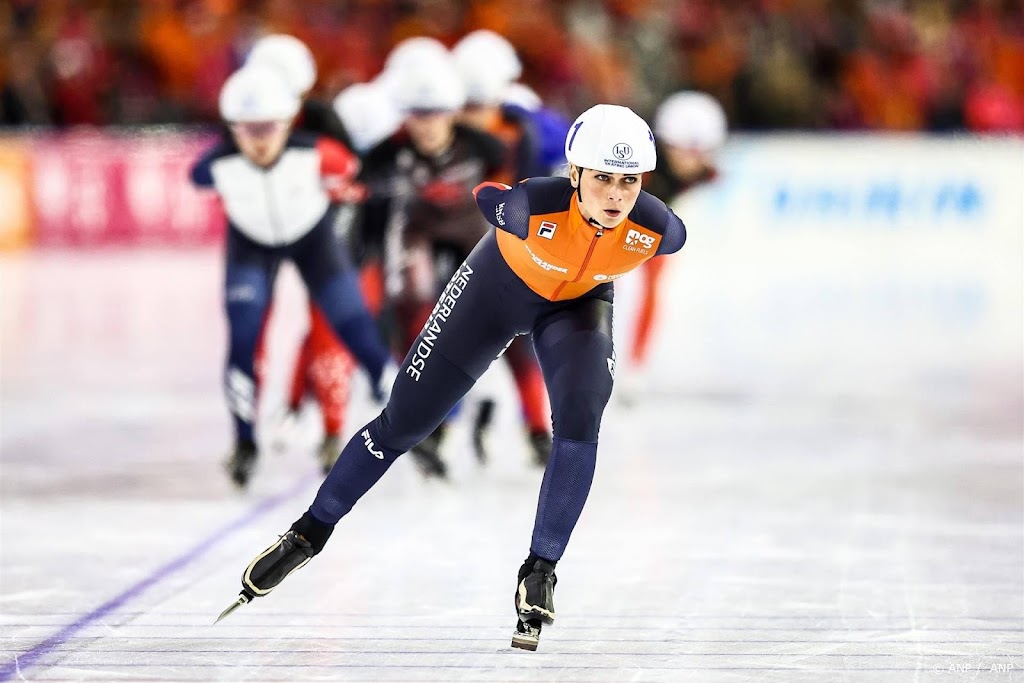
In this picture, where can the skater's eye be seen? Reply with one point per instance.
(601, 177)
(630, 179)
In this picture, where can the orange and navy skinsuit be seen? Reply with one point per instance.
(545, 271)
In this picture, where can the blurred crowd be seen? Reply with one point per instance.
(938, 65)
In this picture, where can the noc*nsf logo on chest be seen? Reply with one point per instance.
(622, 157)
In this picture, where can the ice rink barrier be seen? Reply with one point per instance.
(90, 187)
(833, 264)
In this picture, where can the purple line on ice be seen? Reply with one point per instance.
(23, 661)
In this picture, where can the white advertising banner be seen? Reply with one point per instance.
(838, 265)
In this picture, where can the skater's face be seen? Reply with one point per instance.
(606, 197)
(431, 132)
(687, 164)
(261, 141)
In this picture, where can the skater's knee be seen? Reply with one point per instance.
(577, 414)
(399, 435)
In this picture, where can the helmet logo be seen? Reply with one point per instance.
(622, 151)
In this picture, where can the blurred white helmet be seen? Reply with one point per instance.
(488, 64)
(611, 139)
(524, 96)
(257, 93)
(291, 56)
(368, 113)
(432, 84)
(693, 120)
(407, 54)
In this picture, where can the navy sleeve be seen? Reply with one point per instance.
(674, 236)
(201, 172)
(507, 210)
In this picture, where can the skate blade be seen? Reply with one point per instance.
(526, 637)
(243, 599)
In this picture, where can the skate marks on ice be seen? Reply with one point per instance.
(723, 541)
(867, 561)
(22, 661)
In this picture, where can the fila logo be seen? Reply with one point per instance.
(635, 237)
(370, 446)
(546, 229)
(611, 367)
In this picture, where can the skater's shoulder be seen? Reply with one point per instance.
(201, 172)
(651, 213)
(548, 195)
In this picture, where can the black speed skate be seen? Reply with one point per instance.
(535, 602)
(427, 455)
(287, 554)
(241, 463)
(481, 427)
(329, 451)
(540, 446)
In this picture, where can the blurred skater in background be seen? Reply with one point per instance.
(324, 367)
(276, 186)
(690, 128)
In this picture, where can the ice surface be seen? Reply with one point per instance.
(774, 535)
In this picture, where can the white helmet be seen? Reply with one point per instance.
(368, 113)
(407, 54)
(412, 50)
(611, 139)
(523, 96)
(288, 54)
(691, 119)
(432, 84)
(257, 93)
(488, 64)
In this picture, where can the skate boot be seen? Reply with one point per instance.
(427, 454)
(287, 554)
(481, 427)
(540, 446)
(241, 463)
(329, 451)
(535, 602)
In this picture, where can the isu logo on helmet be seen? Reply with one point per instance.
(622, 151)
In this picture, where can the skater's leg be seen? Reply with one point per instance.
(532, 397)
(247, 290)
(470, 325)
(334, 286)
(248, 286)
(466, 331)
(576, 352)
(329, 369)
(414, 410)
(529, 381)
(651, 273)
